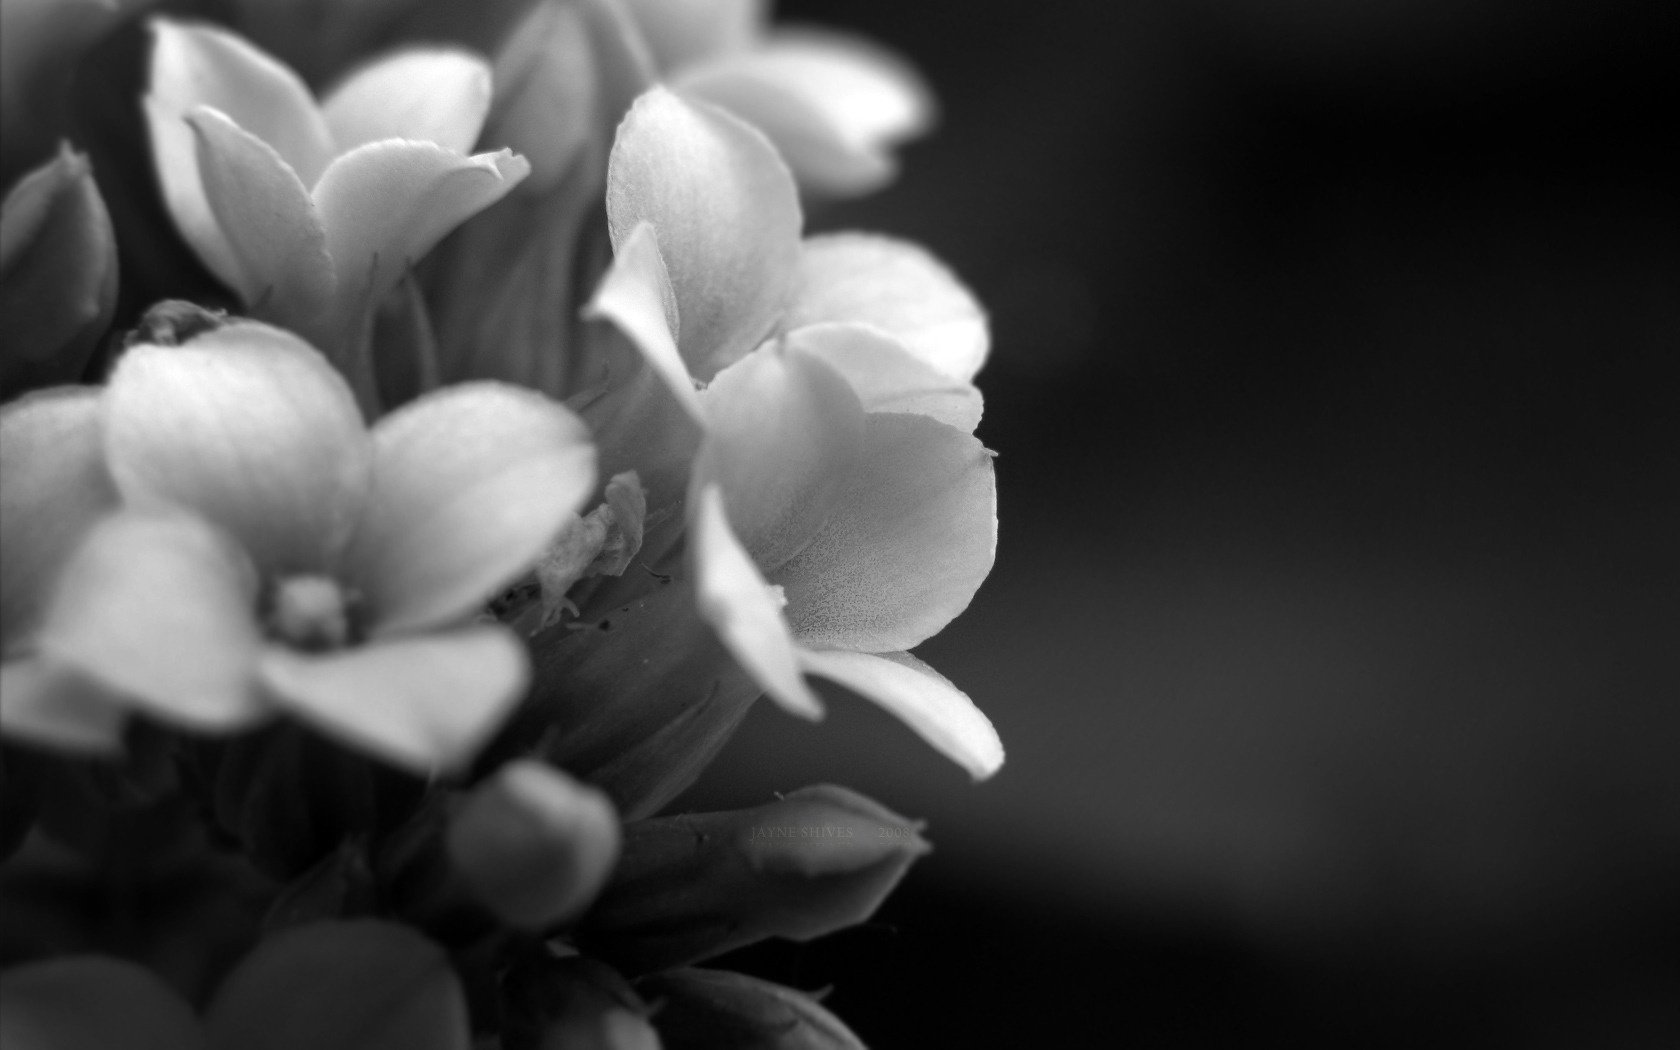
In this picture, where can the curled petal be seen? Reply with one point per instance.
(683, 31)
(909, 543)
(469, 486)
(436, 95)
(384, 204)
(159, 608)
(928, 703)
(727, 216)
(899, 288)
(279, 252)
(744, 610)
(635, 295)
(52, 705)
(833, 105)
(887, 377)
(425, 703)
(56, 486)
(783, 430)
(249, 427)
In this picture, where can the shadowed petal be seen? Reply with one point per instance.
(384, 204)
(834, 105)
(469, 486)
(436, 95)
(937, 710)
(727, 216)
(887, 377)
(278, 249)
(635, 294)
(250, 427)
(424, 703)
(49, 704)
(897, 287)
(91, 1002)
(53, 461)
(161, 609)
(783, 430)
(744, 610)
(909, 543)
(683, 31)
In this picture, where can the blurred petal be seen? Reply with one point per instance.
(436, 95)
(750, 1011)
(384, 204)
(250, 427)
(746, 613)
(911, 540)
(195, 65)
(53, 461)
(937, 710)
(783, 430)
(635, 294)
(887, 377)
(161, 609)
(49, 704)
(834, 105)
(899, 288)
(683, 31)
(424, 703)
(727, 217)
(93, 1002)
(267, 219)
(469, 486)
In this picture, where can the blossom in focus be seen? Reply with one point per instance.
(837, 516)
(313, 213)
(274, 554)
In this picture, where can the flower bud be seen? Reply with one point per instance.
(691, 887)
(533, 845)
(707, 1009)
(58, 274)
(573, 1004)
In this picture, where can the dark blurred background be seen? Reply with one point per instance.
(1335, 628)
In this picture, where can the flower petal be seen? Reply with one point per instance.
(425, 703)
(834, 105)
(744, 610)
(937, 710)
(384, 204)
(56, 486)
(249, 427)
(160, 609)
(89, 1002)
(49, 704)
(635, 294)
(783, 430)
(195, 65)
(469, 486)
(911, 539)
(727, 216)
(887, 377)
(899, 288)
(683, 31)
(279, 252)
(436, 95)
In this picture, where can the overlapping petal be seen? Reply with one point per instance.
(635, 294)
(469, 485)
(727, 218)
(52, 704)
(923, 698)
(436, 95)
(249, 427)
(897, 287)
(683, 31)
(887, 377)
(909, 542)
(425, 703)
(159, 608)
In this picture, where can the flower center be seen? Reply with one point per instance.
(310, 613)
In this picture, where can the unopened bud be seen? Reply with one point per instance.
(533, 845)
(573, 1004)
(716, 1008)
(691, 887)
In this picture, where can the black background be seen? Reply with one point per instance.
(1333, 633)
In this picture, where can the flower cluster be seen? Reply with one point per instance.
(410, 484)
